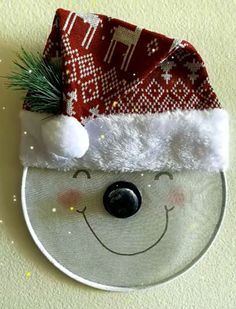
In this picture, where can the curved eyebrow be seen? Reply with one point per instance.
(82, 171)
(158, 175)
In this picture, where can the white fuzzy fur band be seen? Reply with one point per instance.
(169, 141)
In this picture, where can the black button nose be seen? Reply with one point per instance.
(122, 199)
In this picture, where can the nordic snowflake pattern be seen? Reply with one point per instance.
(193, 67)
(152, 47)
(70, 102)
(107, 61)
(94, 110)
(166, 66)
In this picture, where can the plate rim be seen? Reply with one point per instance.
(113, 288)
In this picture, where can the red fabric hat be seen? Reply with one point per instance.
(133, 100)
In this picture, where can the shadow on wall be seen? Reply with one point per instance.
(11, 169)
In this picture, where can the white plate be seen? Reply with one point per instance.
(155, 245)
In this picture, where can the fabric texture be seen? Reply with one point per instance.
(112, 67)
(173, 141)
(144, 99)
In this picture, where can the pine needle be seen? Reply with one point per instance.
(41, 78)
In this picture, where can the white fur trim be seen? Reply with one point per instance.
(196, 139)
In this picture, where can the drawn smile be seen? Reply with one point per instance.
(135, 253)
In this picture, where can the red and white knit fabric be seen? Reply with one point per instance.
(113, 67)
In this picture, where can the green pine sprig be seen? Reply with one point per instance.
(41, 78)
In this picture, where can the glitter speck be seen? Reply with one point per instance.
(1, 221)
(12, 242)
(67, 72)
(149, 186)
(30, 71)
(0, 60)
(72, 208)
(153, 50)
(32, 147)
(142, 174)
(115, 103)
(102, 136)
(3, 107)
(28, 274)
(54, 209)
(25, 132)
(69, 232)
(134, 74)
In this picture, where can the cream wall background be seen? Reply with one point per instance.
(210, 26)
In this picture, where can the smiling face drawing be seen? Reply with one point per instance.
(122, 230)
(121, 199)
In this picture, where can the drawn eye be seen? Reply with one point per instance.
(158, 175)
(82, 171)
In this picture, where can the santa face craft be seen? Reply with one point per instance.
(126, 168)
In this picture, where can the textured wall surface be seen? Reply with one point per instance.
(210, 27)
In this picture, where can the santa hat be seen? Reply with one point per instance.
(133, 100)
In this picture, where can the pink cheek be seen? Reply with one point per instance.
(69, 198)
(176, 198)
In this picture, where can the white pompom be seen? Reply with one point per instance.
(65, 136)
